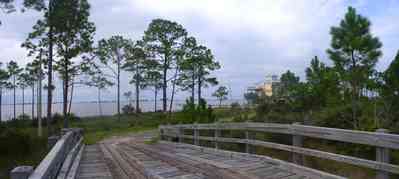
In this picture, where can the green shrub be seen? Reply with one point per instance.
(200, 113)
(128, 109)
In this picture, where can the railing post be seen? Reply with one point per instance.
(161, 131)
(297, 141)
(21, 172)
(247, 137)
(382, 155)
(217, 135)
(169, 138)
(196, 134)
(180, 133)
(51, 141)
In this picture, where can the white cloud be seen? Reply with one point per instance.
(250, 38)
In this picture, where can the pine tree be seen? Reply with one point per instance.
(164, 39)
(355, 52)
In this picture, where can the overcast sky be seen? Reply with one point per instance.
(250, 39)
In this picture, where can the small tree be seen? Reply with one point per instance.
(129, 97)
(164, 40)
(74, 35)
(323, 85)
(196, 66)
(4, 77)
(205, 65)
(136, 63)
(390, 91)
(355, 52)
(13, 71)
(36, 71)
(221, 94)
(96, 78)
(154, 79)
(251, 97)
(31, 83)
(100, 83)
(187, 77)
(288, 81)
(111, 54)
(24, 80)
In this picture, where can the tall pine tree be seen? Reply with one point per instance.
(355, 52)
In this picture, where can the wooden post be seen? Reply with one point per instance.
(196, 134)
(51, 141)
(169, 128)
(161, 136)
(217, 135)
(180, 134)
(297, 141)
(247, 145)
(382, 155)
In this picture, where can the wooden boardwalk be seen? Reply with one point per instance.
(93, 165)
(131, 157)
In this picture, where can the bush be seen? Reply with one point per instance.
(128, 109)
(235, 105)
(23, 117)
(18, 142)
(200, 113)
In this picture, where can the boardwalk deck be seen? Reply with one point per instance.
(130, 157)
(93, 165)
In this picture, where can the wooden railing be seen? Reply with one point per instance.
(381, 139)
(60, 162)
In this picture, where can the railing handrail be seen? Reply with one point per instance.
(383, 141)
(376, 139)
(51, 164)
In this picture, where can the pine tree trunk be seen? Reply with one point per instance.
(65, 96)
(99, 102)
(137, 90)
(118, 87)
(1, 104)
(199, 88)
(39, 101)
(164, 86)
(165, 82)
(23, 103)
(137, 98)
(173, 91)
(33, 102)
(39, 105)
(50, 71)
(70, 99)
(15, 114)
(193, 89)
(155, 99)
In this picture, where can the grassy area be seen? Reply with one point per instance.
(99, 128)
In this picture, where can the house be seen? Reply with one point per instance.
(268, 87)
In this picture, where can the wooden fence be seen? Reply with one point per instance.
(381, 139)
(60, 162)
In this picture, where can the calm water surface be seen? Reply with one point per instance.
(84, 109)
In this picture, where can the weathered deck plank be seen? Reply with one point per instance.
(131, 158)
(93, 165)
